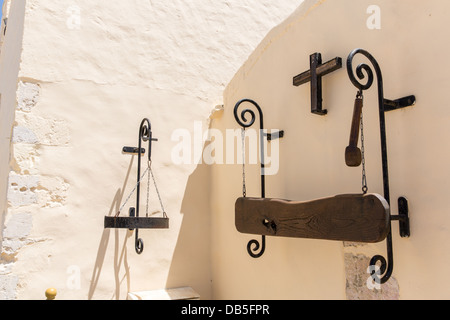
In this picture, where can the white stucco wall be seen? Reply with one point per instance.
(75, 88)
(312, 152)
(90, 71)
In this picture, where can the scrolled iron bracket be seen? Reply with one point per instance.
(133, 221)
(245, 122)
(145, 134)
(384, 105)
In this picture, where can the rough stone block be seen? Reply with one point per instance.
(44, 191)
(27, 96)
(19, 226)
(52, 192)
(8, 285)
(359, 284)
(21, 190)
(22, 134)
(26, 159)
(45, 131)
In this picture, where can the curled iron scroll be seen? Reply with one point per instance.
(138, 244)
(386, 267)
(145, 134)
(246, 123)
(359, 70)
(242, 119)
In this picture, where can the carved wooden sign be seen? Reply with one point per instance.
(353, 217)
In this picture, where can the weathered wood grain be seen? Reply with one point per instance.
(352, 217)
(322, 70)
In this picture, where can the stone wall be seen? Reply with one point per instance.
(86, 74)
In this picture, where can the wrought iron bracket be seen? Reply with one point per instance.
(133, 150)
(403, 218)
(405, 102)
(134, 221)
(314, 75)
(242, 120)
(264, 221)
(384, 105)
(275, 136)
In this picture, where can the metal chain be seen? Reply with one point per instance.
(131, 193)
(149, 173)
(149, 169)
(157, 191)
(244, 188)
(365, 189)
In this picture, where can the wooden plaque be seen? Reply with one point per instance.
(351, 217)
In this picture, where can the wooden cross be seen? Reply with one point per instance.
(314, 75)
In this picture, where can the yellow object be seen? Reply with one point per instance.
(50, 293)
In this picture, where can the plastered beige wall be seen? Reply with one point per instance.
(9, 68)
(89, 73)
(413, 61)
(79, 94)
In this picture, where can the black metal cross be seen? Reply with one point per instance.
(314, 75)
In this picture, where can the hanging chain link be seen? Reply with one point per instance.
(131, 193)
(365, 188)
(244, 188)
(149, 173)
(157, 191)
(149, 169)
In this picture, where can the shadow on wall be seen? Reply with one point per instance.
(190, 265)
(191, 262)
(103, 245)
